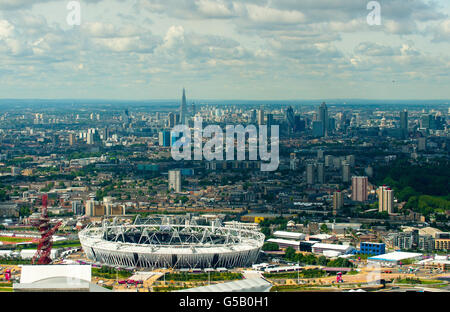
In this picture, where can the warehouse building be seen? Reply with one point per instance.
(321, 248)
(289, 235)
(285, 243)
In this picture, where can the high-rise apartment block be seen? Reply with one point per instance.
(175, 180)
(385, 199)
(359, 188)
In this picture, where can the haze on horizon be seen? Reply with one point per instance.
(223, 49)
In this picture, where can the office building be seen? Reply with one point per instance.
(317, 128)
(269, 120)
(164, 138)
(77, 208)
(261, 117)
(323, 117)
(253, 118)
(404, 120)
(373, 249)
(183, 109)
(290, 118)
(171, 120)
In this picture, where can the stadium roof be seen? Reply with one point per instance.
(246, 285)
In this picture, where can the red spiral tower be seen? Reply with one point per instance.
(42, 222)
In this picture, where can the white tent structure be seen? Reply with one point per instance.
(56, 278)
(246, 285)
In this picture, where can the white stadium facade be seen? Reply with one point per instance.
(171, 242)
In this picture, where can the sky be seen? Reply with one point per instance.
(225, 49)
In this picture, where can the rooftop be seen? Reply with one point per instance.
(246, 285)
(396, 256)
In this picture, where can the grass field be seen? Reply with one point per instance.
(311, 273)
(60, 244)
(417, 281)
(213, 276)
(9, 239)
(294, 288)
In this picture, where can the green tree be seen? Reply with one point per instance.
(270, 246)
(324, 228)
(289, 254)
(322, 260)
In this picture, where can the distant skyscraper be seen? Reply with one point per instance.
(427, 121)
(253, 116)
(404, 120)
(193, 111)
(261, 117)
(126, 117)
(421, 144)
(385, 199)
(351, 160)
(320, 154)
(338, 201)
(72, 139)
(171, 120)
(320, 173)
(323, 117)
(90, 139)
(290, 118)
(331, 125)
(269, 120)
(300, 124)
(175, 180)
(317, 128)
(164, 138)
(359, 188)
(310, 173)
(345, 172)
(183, 111)
(293, 163)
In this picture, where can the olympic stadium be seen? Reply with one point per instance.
(171, 242)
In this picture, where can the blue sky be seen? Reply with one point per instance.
(224, 49)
